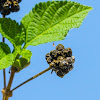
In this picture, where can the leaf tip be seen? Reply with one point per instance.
(91, 8)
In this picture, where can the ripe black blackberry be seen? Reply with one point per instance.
(60, 60)
(60, 47)
(15, 6)
(17, 1)
(47, 55)
(7, 6)
(70, 67)
(56, 62)
(54, 54)
(59, 73)
(63, 64)
(3, 1)
(49, 60)
(67, 52)
(5, 12)
(65, 71)
(53, 65)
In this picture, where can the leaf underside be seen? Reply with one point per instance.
(51, 21)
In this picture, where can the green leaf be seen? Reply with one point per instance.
(4, 49)
(26, 54)
(21, 63)
(51, 21)
(7, 61)
(11, 30)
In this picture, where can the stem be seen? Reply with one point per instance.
(8, 93)
(32, 78)
(10, 80)
(4, 74)
(4, 71)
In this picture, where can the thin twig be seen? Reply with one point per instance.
(32, 78)
(4, 73)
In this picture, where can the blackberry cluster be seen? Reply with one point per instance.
(7, 6)
(60, 60)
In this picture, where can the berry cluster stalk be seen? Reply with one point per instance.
(32, 78)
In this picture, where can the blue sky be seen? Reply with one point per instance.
(83, 82)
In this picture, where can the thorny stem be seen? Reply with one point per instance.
(32, 78)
